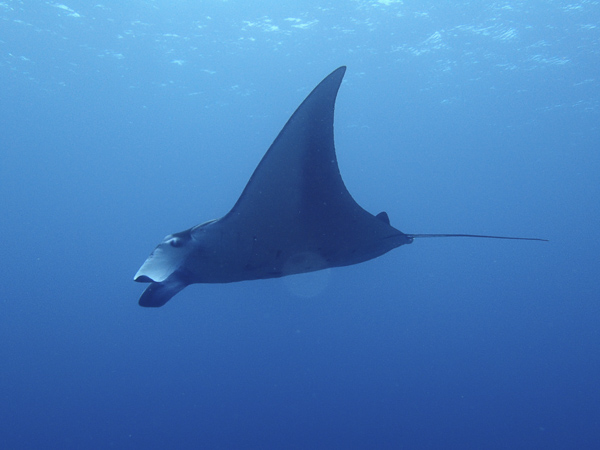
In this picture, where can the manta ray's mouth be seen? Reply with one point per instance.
(143, 279)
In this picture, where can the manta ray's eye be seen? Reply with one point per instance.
(175, 242)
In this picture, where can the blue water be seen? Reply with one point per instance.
(122, 122)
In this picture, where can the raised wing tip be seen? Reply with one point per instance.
(337, 74)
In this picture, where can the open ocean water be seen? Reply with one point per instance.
(124, 121)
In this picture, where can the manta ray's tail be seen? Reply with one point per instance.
(474, 236)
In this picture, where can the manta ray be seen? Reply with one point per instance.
(295, 215)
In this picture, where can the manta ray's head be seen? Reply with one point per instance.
(179, 260)
(166, 259)
(164, 269)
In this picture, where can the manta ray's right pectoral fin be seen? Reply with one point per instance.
(157, 294)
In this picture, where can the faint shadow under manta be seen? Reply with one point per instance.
(294, 216)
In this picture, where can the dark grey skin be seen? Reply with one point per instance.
(294, 216)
